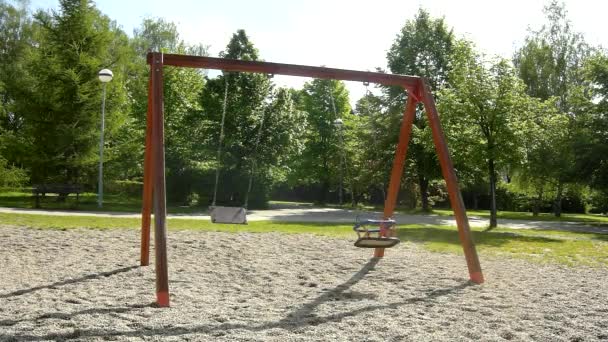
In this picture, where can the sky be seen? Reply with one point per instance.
(353, 34)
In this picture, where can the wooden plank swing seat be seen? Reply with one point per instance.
(232, 215)
(418, 92)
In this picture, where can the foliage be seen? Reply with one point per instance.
(549, 146)
(551, 65)
(182, 110)
(482, 112)
(423, 48)
(10, 175)
(254, 110)
(60, 119)
(16, 34)
(323, 101)
(542, 162)
(591, 144)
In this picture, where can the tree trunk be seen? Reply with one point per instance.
(324, 182)
(492, 174)
(537, 203)
(322, 196)
(424, 192)
(475, 201)
(557, 206)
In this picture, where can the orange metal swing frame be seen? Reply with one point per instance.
(154, 162)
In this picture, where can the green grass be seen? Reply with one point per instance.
(543, 246)
(510, 215)
(121, 203)
(515, 215)
(87, 202)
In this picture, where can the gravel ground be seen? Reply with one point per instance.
(83, 284)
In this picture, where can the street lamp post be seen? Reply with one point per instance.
(338, 123)
(105, 76)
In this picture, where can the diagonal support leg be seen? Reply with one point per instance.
(447, 168)
(398, 163)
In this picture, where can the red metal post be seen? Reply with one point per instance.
(160, 204)
(398, 163)
(447, 168)
(146, 210)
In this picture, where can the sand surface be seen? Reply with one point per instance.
(84, 285)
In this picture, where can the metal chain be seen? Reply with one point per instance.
(219, 148)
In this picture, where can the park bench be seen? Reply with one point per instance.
(63, 190)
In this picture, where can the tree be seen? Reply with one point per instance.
(60, 95)
(323, 101)
(422, 48)
(481, 110)
(253, 108)
(372, 160)
(281, 142)
(541, 159)
(591, 143)
(16, 43)
(550, 64)
(184, 143)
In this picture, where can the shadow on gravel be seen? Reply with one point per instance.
(69, 316)
(494, 239)
(69, 281)
(303, 316)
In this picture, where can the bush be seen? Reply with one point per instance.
(127, 188)
(598, 202)
(11, 176)
(573, 202)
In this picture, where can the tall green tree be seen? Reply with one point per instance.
(183, 121)
(253, 109)
(324, 101)
(16, 44)
(372, 160)
(61, 95)
(550, 64)
(542, 132)
(591, 142)
(482, 112)
(281, 143)
(422, 48)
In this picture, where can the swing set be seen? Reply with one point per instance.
(381, 236)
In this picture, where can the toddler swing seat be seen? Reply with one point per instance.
(375, 237)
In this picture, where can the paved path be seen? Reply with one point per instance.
(344, 216)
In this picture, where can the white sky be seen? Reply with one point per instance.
(346, 34)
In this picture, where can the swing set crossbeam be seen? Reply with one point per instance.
(409, 82)
(418, 92)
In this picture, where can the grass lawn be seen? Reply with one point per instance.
(516, 215)
(544, 246)
(87, 202)
(121, 203)
(510, 215)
